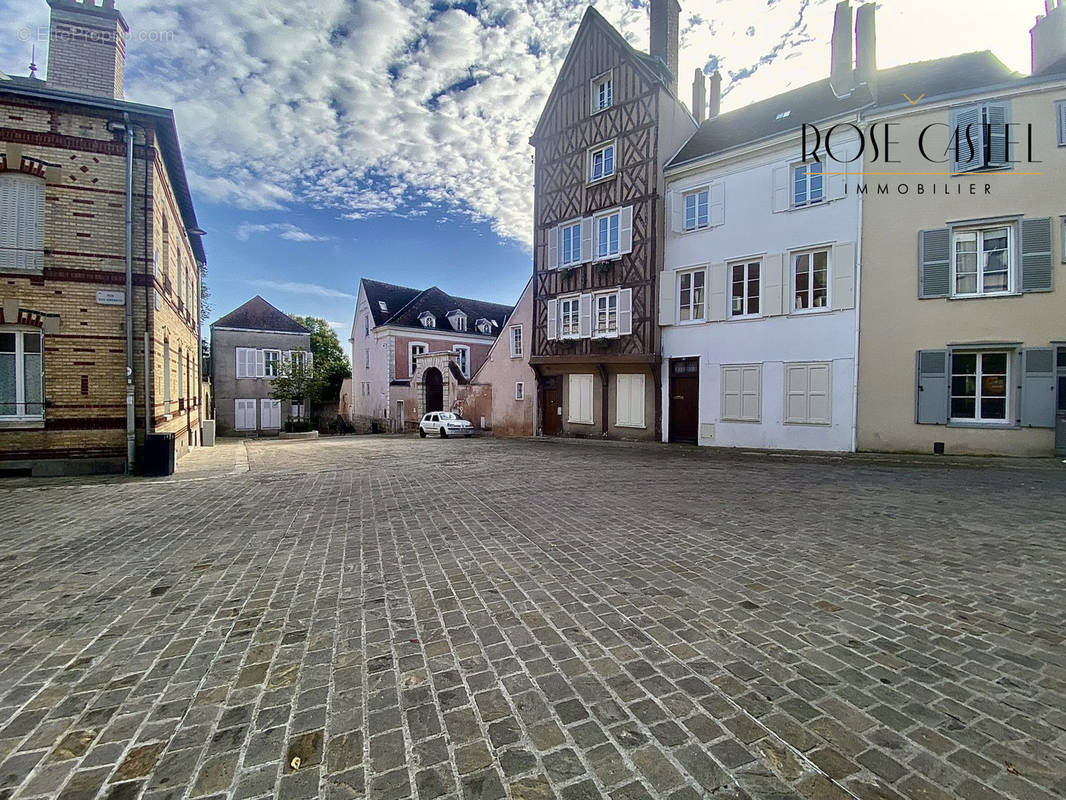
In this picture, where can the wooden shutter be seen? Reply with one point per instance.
(961, 159)
(9, 221)
(31, 223)
(774, 277)
(819, 404)
(716, 210)
(751, 393)
(579, 400)
(779, 188)
(843, 268)
(731, 393)
(1038, 387)
(677, 211)
(934, 263)
(625, 230)
(586, 239)
(584, 317)
(629, 400)
(1037, 263)
(836, 183)
(553, 320)
(260, 365)
(553, 248)
(998, 117)
(667, 297)
(715, 292)
(931, 401)
(796, 393)
(625, 312)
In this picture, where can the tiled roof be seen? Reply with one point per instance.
(258, 315)
(392, 296)
(405, 306)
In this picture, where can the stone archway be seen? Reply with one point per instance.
(433, 381)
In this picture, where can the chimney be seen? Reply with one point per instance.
(841, 78)
(715, 105)
(664, 32)
(699, 94)
(87, 47)
(865, 45)
(1048, 36)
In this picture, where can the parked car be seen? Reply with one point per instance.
(446, 424)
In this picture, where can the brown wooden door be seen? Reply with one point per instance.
(684, 400)
(434, 382)
(551, 412)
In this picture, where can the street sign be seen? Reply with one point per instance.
(111, 298)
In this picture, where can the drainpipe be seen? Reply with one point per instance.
(858, 311)
(149, 277)
(131, 422)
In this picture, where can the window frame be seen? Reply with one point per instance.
(601, 149)
(563, 228)
(596, 297)
(464, 362)
(427, 319)
(458, 321)
(747, 264)
(596, 219)
(20, 334)
(520, 390)
(515, 346)
(810, 251)
(564, 301)
(1008, 397)
(806, 166)
(696, 192)
(595, 84)
(690, 273)
(411, 355)
(267, 360)
(1012, 260)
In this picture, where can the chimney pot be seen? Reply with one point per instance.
(1048, 37)
(841, 77)
(866, 45)
(699, 94)
(87, 52)
(715, 106)
(664, 33)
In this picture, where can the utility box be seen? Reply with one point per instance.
(160, 458)
(207, 433)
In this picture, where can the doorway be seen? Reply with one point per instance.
(434, 383)
(685, 400)
(552, 407)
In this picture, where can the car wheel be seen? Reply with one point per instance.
(443, 433)
(421, 432)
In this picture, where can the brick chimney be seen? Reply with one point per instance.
(841, 77)
(865, 45)
(699, 94)
(664, 33)
(87, 47)
(715, 106)
(1048, 36)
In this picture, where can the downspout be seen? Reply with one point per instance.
(149, 277)
(131, 422)
(858, 309)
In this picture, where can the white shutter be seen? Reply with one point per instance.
(677, 212)
(731, 393)
(625, 312)
(625, 230)
(1061, 108)
(774, 285)
(717, 204)
(8, 221)
(751, 393)
(818, 393)
(584, 321)
(716, 293)
(553, 320)
(260, 366)
(843, 269)
(667, 297)
(837, 182)
(33, 224)
(795, 393)
(579, 401)
(779, 188)
(553, 248)
(629, 400)
(242, 363)
(270, 414)
(586, 239)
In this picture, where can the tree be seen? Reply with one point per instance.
(329, 359)
(298, 383)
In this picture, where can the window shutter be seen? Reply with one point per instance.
(934, 263)
(717, 305)
(584, 316)
(1037, 271)
(667, 296)
(625, 312)
(553, 320)
(932, 387)
(239, 354)
(843, 268)
(961, 119)
(751, 393)
(1060, 107)
(260, 366)
(731, 393)
(796, 392)
(629, 400)
(586, 240)
(837, 182)
(717, 204)
(677, 212)
(998, 146)
(553, 248)
(818, 397)
(9, 215)
(1038, 387)
(625, 230)
(774, 280)
(779, 189)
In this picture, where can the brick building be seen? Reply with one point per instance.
(88, 296)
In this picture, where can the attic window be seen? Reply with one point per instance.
(783, 114)
(458, 320)
(382, 306)
(427, 319)
(484, 326)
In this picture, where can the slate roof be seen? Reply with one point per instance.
(816, 101)
(258, 315)
(405, 305)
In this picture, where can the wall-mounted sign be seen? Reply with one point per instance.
(111, 298)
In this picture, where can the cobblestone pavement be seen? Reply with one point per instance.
(482, 619)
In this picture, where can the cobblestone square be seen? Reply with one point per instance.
(389, 617)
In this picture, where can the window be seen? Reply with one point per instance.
(697, 205)
(601, 162)
(21, 375)
(427, 319)
(601, 93)
(246, 362)
(579, 405)
(383, 306)
(519, 391)
(979, 137)
(458, 321)
(569, 317)
(570, 244)
(606, 315)
(413, 350)
(807, 394)
(366, 324)
(244, 415)
(629, 401)
(807, 184)
(980, 387)
(299, 357)
(742, 393)
(690, 295)
(366, 359)
(516, 341)
(484, 326)
(462, 358)
(21, 221)
(1060, 119)
(271, 363)
(810, 280)
(607, 234)
(744, 283)
(982, 261)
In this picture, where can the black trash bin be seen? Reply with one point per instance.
(159, 454)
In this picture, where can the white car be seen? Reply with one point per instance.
(446, 424)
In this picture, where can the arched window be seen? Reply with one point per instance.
(21, 221)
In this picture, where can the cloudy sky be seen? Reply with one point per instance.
(327, 140)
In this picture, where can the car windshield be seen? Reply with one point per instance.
(447, 416)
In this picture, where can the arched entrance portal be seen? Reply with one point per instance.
(434, 383)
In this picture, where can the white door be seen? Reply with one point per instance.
(270, 414)
(244, 415)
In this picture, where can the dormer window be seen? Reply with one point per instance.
(602, 92)
(427, 319)
(382, 306)
(458, 320)
(484, 326)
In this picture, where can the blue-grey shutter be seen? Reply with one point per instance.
(1037, 262)
(998, 118)
(932, 387)
(962, 119)
(1038, 387)
(934, 263)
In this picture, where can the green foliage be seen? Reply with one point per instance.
(329, 358)
(298, 382)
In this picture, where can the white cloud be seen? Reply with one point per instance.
(292, 287)
(284, 230)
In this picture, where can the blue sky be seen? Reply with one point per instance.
(327, 140)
